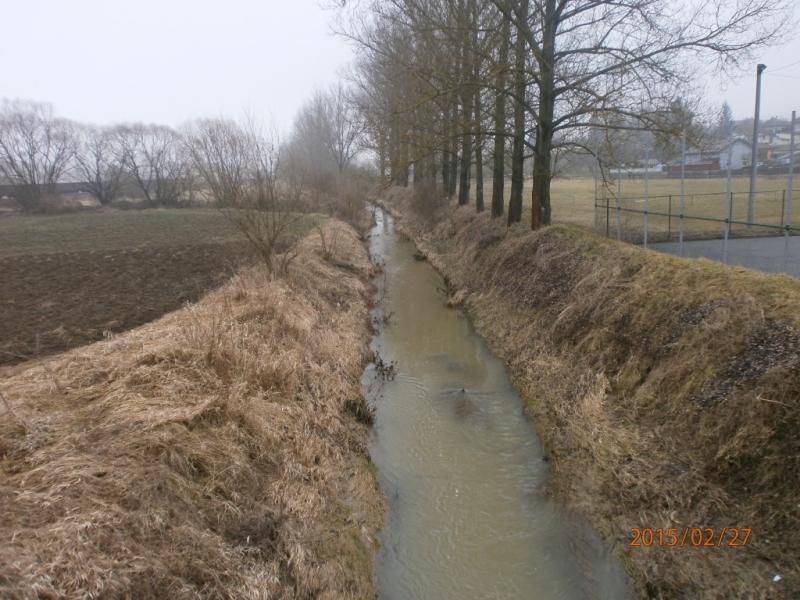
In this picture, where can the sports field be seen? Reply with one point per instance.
(573, 202)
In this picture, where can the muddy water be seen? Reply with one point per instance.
(460, 463)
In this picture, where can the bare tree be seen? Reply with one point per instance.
(156, 160)
(329, 127)
(626, 57)
(578, 65)
(254, 183)
(99, 162)
(36, 148)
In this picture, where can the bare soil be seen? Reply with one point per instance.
(51, 302)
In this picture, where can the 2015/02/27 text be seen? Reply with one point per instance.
(693, 536)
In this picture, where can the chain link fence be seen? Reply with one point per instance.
(713, 225)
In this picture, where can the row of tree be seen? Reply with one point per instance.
(161, 165)
(447, 85)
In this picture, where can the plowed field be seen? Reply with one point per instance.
(70, 280)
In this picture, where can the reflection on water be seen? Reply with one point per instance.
(461, 465)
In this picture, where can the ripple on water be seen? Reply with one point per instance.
(461, 464)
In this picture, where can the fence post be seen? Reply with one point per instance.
(683, 196)
(728, 201)
(669, 218)
(788, 217)
(619, 203)
(783, 204)
(646, 189)
(594, 169)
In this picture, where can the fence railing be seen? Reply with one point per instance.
(708, 216)
(695, 216)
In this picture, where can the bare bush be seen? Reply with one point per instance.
(253, 181)
(347, 200)
(427, 199)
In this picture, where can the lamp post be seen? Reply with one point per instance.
(751, 205)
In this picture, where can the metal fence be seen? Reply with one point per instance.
(679, 223)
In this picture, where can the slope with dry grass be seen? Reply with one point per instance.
(665, 390)
(219, 452)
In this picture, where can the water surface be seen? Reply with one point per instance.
(460, 463)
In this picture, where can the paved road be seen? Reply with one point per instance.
(764, 254)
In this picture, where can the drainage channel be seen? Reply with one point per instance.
(459, 461)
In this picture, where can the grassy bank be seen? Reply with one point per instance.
(218, 452)
(665, 391)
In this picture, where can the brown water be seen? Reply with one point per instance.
(459, 461)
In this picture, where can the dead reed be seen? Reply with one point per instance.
(666, 391)
(219, 452)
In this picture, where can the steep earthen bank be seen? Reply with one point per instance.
(665, 390)
(217, 452)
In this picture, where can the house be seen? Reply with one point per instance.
(741, 152)
(705, 164)
(715, 158)
(69, 188)
(784, 160)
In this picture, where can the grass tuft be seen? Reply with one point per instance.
(217, 452)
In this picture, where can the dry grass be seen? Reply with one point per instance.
(219, 452)
(666, 391)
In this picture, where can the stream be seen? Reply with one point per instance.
(459, 461)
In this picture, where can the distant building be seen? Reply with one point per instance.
(741, 153)
(7, 191)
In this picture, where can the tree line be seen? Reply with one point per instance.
(448, 86)
(167, 167)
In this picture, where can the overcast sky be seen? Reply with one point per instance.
(168, 61)
(780, 86)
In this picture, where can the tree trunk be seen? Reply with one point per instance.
(404, 157)
(452, 188)
(543, 153)
(454, 125)
(446, 146)
(382, 158)
(498, 168)
(466, 150)
(478, 153)
(432, 167)
(518, 150)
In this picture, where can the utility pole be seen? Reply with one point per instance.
(751, 205)
(788, 223)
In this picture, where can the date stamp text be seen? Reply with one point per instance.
(691, 536)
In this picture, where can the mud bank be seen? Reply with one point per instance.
(665, 391)
(218, 452)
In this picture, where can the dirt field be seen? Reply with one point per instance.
(217, 452)
(73, 279)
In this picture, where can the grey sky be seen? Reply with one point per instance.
(168, 61)
(780, 87)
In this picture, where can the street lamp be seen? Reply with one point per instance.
(751, 205)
